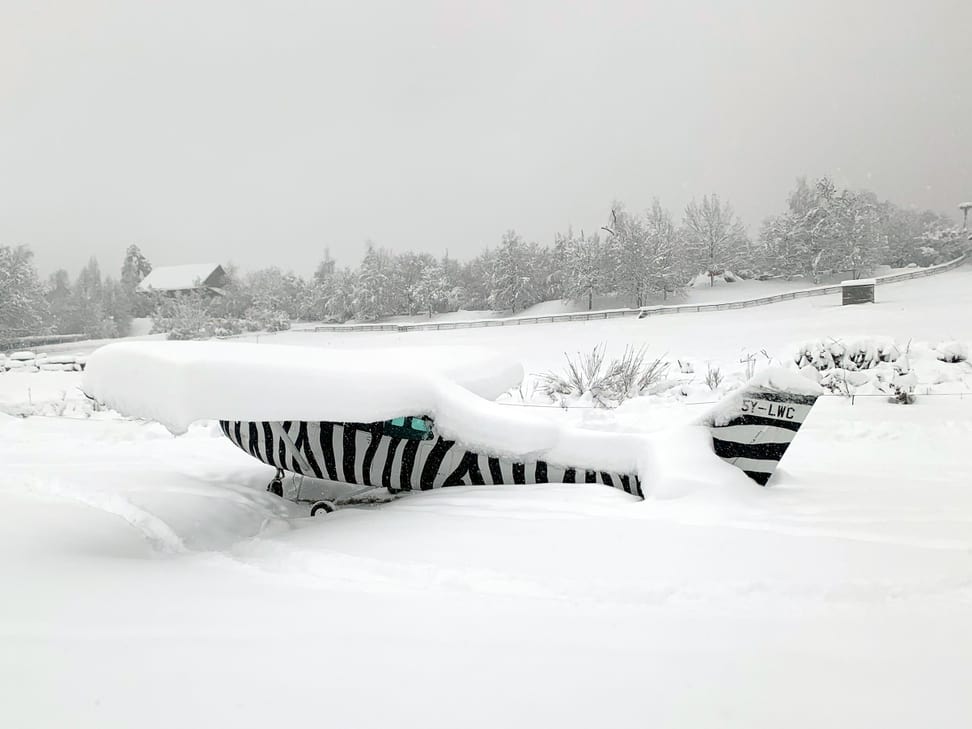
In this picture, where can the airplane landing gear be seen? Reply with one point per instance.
(275, 487)
(323, 506)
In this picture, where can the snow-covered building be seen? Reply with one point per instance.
(207, 277)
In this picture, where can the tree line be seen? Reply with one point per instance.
(636, 256)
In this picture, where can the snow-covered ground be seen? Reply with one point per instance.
(148, 580)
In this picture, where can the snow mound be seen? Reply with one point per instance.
(178, 383)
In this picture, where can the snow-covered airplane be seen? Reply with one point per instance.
(413, 419)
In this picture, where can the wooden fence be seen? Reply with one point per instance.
(641, 313)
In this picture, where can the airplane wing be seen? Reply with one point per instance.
(178, 383)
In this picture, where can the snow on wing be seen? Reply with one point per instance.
(178, 383)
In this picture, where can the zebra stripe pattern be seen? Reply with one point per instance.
(756, 438)
(366, 454)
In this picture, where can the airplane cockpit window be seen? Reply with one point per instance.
(410, 428)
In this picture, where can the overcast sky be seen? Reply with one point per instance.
(260, 133)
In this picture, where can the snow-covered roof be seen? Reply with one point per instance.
(180, 278)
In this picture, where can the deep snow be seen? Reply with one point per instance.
(148, 580)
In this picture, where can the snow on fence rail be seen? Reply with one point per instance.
(15, 343)
(642, 312)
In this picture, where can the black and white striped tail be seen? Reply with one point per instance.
(753, 429)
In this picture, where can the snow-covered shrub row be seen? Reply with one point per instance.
(851, 354)
(196, 317)
(869, 365)
(30, 362)
(894, 379)
(867, 353)
(879, 365)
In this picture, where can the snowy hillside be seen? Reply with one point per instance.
(148, 580)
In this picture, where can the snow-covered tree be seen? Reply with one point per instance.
(852, 227)
(512, 276)
(475, 282)
(60, 302)
(117, 307)
(941, 242)
(626, 252)
(664, 252)
(455, 294)
(801, 241)
(325, 269)
(89, 303)
(431, 289)
(23, 308)
(237, 295)
(135, 267)
(315, 295)
(370, 293)
(715, 238)
(644, 253)
(583, 266)
(272, 291)
(407, 270)
(547, 279)
(340, 304)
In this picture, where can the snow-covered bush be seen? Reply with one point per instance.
(952, 352)
(926, 256)
(606, 384)
(633, 373)
(269, 320)
(223, 327)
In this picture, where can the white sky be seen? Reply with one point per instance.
(263, 132)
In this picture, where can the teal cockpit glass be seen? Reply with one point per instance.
(410, 428)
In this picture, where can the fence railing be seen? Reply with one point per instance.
(641, 313)
(15, 343)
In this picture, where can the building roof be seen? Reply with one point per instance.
(182, 278)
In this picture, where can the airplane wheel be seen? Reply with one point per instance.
(276, 487)
(326, 506)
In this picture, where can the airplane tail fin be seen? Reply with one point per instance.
(753, 427)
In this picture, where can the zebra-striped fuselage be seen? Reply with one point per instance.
(369, 455)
